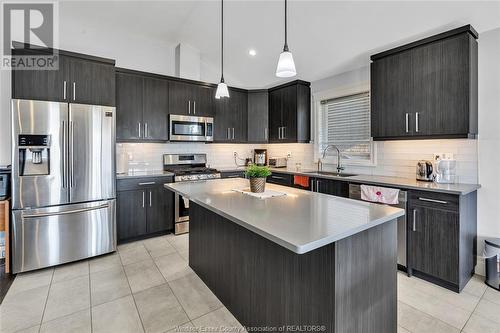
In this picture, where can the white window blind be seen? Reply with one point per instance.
(345, 122)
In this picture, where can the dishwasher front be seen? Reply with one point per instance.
(355, 193)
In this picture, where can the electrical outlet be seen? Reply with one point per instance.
(235, 154)
(289, 155)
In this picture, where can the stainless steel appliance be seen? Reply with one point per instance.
(260, 156)
(187, 128)
(186, 167)
(4, 183)
(277, 162)
(425, 171)
(63, 188)
(355, 193)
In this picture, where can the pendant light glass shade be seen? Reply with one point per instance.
(221, 90)
(286, 66)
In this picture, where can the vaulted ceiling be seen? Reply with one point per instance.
(326, 37)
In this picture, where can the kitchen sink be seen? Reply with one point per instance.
(336, 174)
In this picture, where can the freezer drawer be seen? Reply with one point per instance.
(56, 235)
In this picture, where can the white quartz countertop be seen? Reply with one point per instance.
(396, 182)
(301, 221)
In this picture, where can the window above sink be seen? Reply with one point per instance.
(344, 121)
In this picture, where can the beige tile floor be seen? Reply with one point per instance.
(147, 286)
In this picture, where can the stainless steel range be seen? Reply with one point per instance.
(186, 167)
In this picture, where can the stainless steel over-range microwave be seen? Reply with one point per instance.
(187, 128)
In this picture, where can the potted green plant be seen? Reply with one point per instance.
(257, 176)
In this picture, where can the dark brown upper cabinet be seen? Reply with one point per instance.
(290, 112)
(426, 89)
(142, 107)
(80, 79)
(231, 117)
(258, 114)
(191, 99)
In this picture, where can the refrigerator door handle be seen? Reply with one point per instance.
(66, 212)
(64, 159)
(71, 153)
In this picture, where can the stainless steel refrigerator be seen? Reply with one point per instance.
(63, 183)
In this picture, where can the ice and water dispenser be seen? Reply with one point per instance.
(34, 155)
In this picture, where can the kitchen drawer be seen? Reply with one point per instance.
(280, 179)
(434, 200)
(126, 184)
(232, 174)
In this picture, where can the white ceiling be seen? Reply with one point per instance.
(325, 37)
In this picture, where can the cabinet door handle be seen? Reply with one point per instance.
(265, 134)
(146, 130)
(312, 185)
(64, 89)
(284, 132)
(233, 133)
(147, 183)
(74, 91)
(189, 107)
(414, 226)
(433, 200)
(194, 107)
(139, 128)
(317, 185)
(407, 122)
(279, 133)
(228, 133)
(277, 177)
(143, 199)
(416, 121)
(150, 199)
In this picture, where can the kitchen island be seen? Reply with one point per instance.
(301, 261)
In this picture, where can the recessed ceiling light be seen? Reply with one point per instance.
(252, 52)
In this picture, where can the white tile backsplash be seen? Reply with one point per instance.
(148, 156)
(394, 158)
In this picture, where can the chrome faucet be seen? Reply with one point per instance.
(339, 166)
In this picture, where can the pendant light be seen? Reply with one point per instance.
(286, 65)
(222, 87)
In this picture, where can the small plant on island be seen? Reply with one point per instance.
(256, 171)
(257, 176)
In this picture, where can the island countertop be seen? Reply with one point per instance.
(300, 221)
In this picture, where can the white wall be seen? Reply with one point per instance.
(489, 135)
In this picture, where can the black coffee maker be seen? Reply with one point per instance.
(260, 156)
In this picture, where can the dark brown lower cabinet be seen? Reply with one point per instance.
(284, 179)
(130, 214)
(442, 232)
(232, 174)
(144, 208)
(329, 186)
